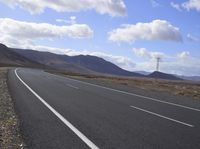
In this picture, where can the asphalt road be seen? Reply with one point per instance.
(56, 112)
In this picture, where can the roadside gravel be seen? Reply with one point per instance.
(10, 137)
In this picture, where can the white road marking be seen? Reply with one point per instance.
(137, 95)
(183, 123)
(72, 86)
(66, 122)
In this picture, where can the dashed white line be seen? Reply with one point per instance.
(137, 95)
(72, 86)
(66, 122)
(183, 123)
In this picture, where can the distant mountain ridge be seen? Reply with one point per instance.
(143, 72)
(84, 64)
(161, 75)
(192, 78)
(53, 60)
(80, 63)
(11, 58)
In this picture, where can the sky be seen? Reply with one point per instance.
(130, 33)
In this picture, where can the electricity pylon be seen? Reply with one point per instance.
(157, 64)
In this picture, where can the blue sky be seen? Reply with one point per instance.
(129, 33)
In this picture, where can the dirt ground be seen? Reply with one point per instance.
(10, 137)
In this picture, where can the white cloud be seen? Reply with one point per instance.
(191, 4)
(18, 34)
(111, 7)
(15, 33)
(176, 6)
(170, 64)
(144, 53)
(192, 38)
(191, 68)
(188, 5)
(154, 3)
(155, 30)
(71, 20)
(156, 55)
(47, 49)
(185, 65)
(121, 61)
(63, 21)
(184, 55)
(30, 31)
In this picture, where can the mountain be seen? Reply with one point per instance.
(192, 78)
(100, 65)
(11, 58)
(161, 75)
(80, 63)
(143, 72)
(53, 60)
(84, 64)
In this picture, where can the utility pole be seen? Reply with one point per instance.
(157, 64)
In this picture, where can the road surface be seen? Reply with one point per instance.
(62, 113)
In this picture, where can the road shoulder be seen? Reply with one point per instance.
(10, 136)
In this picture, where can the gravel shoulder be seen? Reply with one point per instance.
(10, 137)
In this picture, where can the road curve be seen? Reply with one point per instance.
(59, 112)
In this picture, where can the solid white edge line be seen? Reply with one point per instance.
(171, 119)
(67, 123)
(137, 95)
